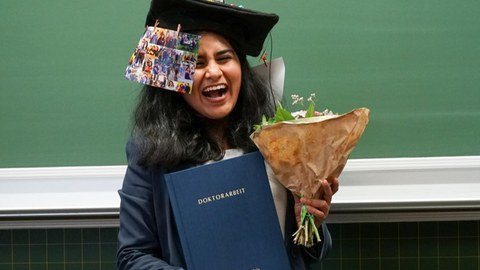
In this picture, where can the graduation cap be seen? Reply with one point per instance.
(247, 28)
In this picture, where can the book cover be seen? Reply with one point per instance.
(226, 216)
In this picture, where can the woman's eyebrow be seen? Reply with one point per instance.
(219, 53)
(226, 51)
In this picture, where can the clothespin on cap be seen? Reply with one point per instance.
(178, 29)
(264, 58)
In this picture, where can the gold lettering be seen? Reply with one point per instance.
(221, 196)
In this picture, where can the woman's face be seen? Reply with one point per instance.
(217, 79)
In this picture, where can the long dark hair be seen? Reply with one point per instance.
(169, 133)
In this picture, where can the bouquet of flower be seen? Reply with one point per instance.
(306, 147)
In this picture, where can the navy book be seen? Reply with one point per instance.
(226, 217)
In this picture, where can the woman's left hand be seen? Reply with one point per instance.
(318, 207)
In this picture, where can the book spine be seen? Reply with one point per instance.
(179, 220)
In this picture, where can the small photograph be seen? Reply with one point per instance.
(137, 58)
(165, 59)
(158, 36)
(184, 87)
(171, 39)
(153, 50)
(188, 42)
(171, 85)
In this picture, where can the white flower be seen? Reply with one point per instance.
(299, 114)
(297, 99)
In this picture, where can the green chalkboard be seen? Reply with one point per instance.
(415, 64)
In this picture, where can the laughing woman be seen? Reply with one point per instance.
(174, 130)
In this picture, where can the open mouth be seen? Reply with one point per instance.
(215, 91)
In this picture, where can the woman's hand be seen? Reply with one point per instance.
(318, 207)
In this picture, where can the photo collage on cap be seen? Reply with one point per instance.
(165, 59)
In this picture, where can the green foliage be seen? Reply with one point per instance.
(310, 110)
(282, 114)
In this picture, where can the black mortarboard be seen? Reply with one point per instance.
(248, 28)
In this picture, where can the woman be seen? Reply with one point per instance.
(174, 130)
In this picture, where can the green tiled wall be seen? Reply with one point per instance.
(52, 249)
(405, 246)
(368, 246)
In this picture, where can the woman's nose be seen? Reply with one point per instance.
(213, 71)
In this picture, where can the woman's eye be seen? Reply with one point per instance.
(223, 59)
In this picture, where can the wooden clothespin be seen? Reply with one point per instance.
(178, 29)
(264, 58)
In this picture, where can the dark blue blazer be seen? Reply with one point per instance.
(148, 238)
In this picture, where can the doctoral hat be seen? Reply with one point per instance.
(248, 28)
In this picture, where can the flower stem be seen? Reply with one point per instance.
(307, 234)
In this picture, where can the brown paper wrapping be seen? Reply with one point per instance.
(305, 151)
